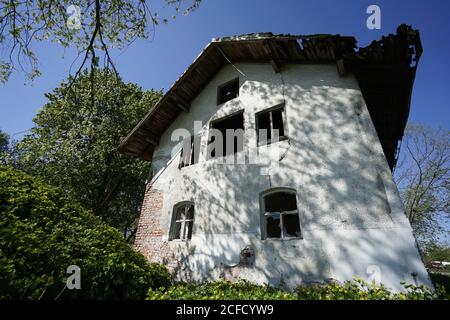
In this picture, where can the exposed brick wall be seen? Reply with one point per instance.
(149, 234)
(150, 238)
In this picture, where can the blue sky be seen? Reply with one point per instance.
(156, 64)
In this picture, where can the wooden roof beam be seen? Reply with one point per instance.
(273, 58)
(152, 141)
(180, 103)
(147, 136)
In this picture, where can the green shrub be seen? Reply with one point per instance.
(243, 290)
(441, 279)
(42, 233)
(361, 290)
(219, 290)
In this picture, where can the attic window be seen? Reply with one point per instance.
(190, 151)
(226, 136)
(228, 91)
(271, 125)
(183, 219)
(280, 216)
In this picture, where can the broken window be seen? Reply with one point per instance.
(190, 151)
(228, 91)
(271, 125)
(182, 222)
(281, 217)
(226, 136)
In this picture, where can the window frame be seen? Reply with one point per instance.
(264, 214)
(192, 155)
(281, 106)
(174, 221)
(220, 87)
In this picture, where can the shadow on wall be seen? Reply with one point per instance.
(341, 198)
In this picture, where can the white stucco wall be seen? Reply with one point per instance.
(351, 215)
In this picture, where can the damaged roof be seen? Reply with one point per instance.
(385, 70)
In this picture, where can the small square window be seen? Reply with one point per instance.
(271, 125)
(228, 91)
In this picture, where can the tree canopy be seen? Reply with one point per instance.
(93, 27)
(437, 252)
(73, 145)
(4, 148)
(423, 178)
(4, 141)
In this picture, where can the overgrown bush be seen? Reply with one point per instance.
(219, 290)
(243, 290)
(441, 280)
(361, 290)
(42, 233)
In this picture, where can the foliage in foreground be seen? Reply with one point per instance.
(219, 290)
(360, 290)
(244, 290)
(42, 233)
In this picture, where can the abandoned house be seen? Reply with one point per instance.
(328, 118)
